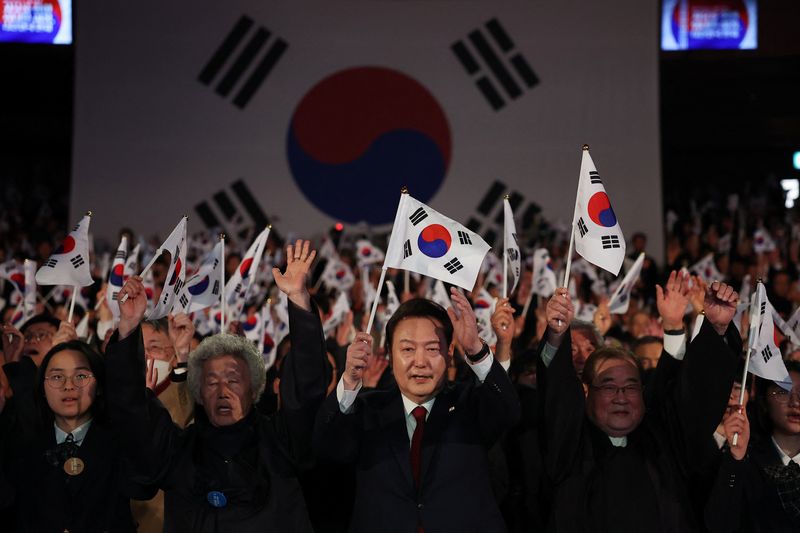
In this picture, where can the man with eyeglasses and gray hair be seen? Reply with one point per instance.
(233, 469)
(617, 464)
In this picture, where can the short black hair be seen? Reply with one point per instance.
(41, 319)
(96, 365)
(422, 308)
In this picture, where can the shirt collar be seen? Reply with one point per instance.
(785, 458)
(719, 439)
(619, 442)
(79, 433)
(409, 406)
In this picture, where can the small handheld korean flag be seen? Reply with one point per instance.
(544, 279)
(131, 263)
(784, 328)
(116, 277)
(439, 294)
(237, 287)
(340, 309)
(69, 263)
(29, 300)
(484, 309)
(765, 357)
(707, 269)
(512, 262)
(368, 254)
(203, 288)
(338, 274)
(15, 274)
(621, 299)
(429, 243)
(176, 275)
(597, 233)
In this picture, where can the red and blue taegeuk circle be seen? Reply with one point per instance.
(362, 133)
(65, 247)
(199, 287)
(116, 278)
(176, 272)
(600, 210)
(434, 241)
(250, 324)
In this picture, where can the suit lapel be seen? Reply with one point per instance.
(436, 423)
(393, 423)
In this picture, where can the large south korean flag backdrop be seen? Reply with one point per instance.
(310, 112)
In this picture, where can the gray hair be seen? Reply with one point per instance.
(218, 346)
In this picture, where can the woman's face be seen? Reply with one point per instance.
(70, 386)
(784, 407)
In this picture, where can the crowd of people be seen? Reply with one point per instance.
(561, 416)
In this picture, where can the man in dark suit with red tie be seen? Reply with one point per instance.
(420, 448)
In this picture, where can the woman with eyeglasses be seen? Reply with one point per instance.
(61, 470)
(775, 498)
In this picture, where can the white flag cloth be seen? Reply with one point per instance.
(339, 311)
(203, 288)
(131, 263)
(176, 275)
(484, 309)
(392, 301)
(621, 299)
(765, 357)
(116, 277)
(237, 287)
(29, 300)
(762, 241)
(598, 235)
(511, 247)
(429, 243)
(266, 342)
(327, 250)
(14, 273)
(544, 279)
(338, 274)
(69, 264)
(707, 269)
(439, 295)
(368, 254)
(253, 327)
(367, 289)
(744, 302)
(584, 311)
(82, 329)
(794, 322)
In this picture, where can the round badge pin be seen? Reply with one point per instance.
(74, 466)
(217, 499)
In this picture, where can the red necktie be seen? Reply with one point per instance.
(418, 413)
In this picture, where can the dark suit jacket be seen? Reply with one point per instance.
(455, 492)
(601, 488)
(259, 478)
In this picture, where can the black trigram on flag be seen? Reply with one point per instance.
(228, 213)
(406, 248)
(77, 261)
(248, 54)
(215, 289)
(512, 253)
(418, 216)
(121, 254)
(179, 283)
(763, 307)
(491, 54)
(184, 301)
(583, 229)
(490, 210)
(609, 241)
(115, 295)
(594, 177)
(50, 263)
(463, 237)
(454, 265)
(766, 353)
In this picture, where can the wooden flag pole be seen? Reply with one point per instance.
(376, 301)
(75, 290)
(222, 283)
(751, 340)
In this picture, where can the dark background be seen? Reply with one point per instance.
(730, 120)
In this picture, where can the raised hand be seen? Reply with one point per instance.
(465, 325)
(181, 331)
(132, 311)
(672, 299)
(720, 305)
(737, 423)
(697, 293)
(293, 281)
(66, 332)
(503, 322)
(13, 342)
(358, 354)
(559, 313)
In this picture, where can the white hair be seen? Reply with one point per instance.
(221, 345)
